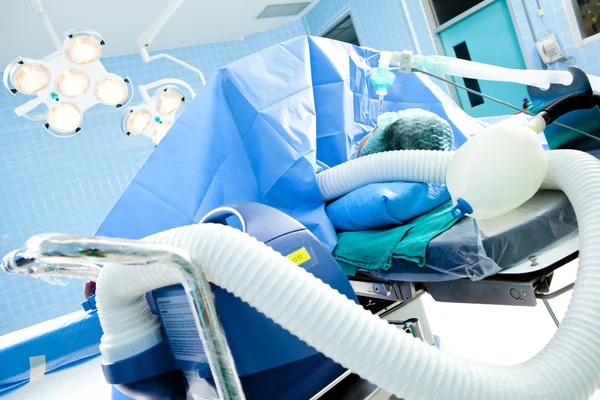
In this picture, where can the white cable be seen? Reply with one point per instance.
(37, 6)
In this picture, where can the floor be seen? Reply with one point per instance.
(493, 334)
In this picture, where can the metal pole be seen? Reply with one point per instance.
(79, 256)
(551, 312)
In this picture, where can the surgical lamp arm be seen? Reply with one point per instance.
(148, 37)
(39, 9)
(24, 109)
(470, 69)
(145, 88)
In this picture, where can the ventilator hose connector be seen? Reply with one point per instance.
(567, 368)
(564, 105)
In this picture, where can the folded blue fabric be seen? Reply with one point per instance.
(383, 204)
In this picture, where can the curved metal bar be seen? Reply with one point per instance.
(79, 257)
(551, 312)
(18, 262)
(556, 293)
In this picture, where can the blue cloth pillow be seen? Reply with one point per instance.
(384, 204)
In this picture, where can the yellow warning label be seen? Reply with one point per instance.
(299, 256)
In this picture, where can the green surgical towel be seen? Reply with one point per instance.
(378, 248)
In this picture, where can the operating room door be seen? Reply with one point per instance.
(485, 34)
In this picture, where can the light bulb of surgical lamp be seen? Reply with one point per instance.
(83, 50)
(72, 82)
(139, 121)
(168, 101)
(111, 90)
(31, 78)
(65, 117)
(160, 130)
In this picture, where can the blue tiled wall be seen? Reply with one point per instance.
(380, 24)
(69, 185)
(554, 21)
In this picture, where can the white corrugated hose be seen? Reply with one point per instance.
(128, 325)
(567, 368)
(389, 166)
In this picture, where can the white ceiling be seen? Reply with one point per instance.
(122, 21)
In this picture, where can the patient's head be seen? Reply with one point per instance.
(411, 129)
(364, 140)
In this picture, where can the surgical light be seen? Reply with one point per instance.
(83, 49)
(72, 82)
(63, 83)
(139, 121)
(111, 90)
(30, 78)
(169, 101)
(160, 131)
(65, 117)
(156, 115)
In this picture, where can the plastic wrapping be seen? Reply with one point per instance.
(52, 269)
(53, 280)
(469, 250)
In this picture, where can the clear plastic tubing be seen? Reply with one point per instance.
(470, 69)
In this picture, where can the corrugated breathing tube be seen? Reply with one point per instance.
(128, 325)
(389, 166)
(566, 104)
(567, 368)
